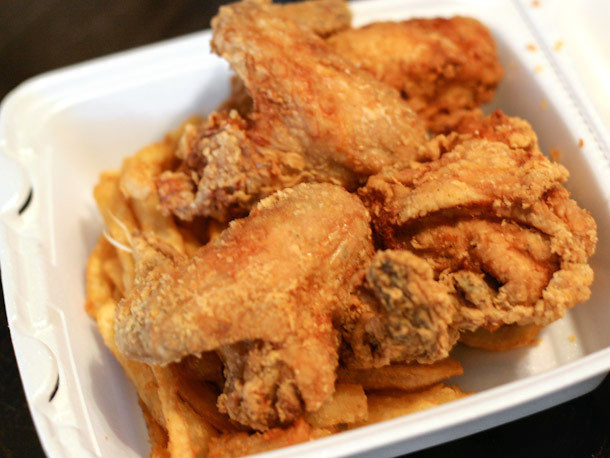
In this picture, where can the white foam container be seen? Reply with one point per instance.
(60, 130)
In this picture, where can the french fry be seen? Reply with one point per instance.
(189, 431)
(189, 434)
(384, 406)
(505, 338)
(157, 436)
(118, 218)
(140, 374)
(112, 269)
(202, 399)
(100, 301)
(140, 170)
(408, 377)
(178, 401)
(347, 405)
(241, 444)
(98, 285)
(137, 183)
(128, 202)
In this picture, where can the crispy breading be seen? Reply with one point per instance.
(315, 117)
(234, 445)
(443, 67)
(323, 17)
(269, 283)
(490, 237)
(401, 313)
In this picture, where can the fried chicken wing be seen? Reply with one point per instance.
(262, 294)
(490, 237)
(400, 313)
(323, 17)
(315, 117)
(443, 67)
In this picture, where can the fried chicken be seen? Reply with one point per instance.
(443, 67)
(323, 17)
(484, 236)
(315, 117)
(262, 294)
(400, 313)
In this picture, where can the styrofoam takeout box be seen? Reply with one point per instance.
(60, 130)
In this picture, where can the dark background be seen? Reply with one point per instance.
(36, 36)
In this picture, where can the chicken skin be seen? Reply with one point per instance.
(443, 67)
(262, 294)
(295, 264)
(400, 313)
(323, 17)
(315, 118)
(484, 236)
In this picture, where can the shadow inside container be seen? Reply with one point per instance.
(117, 400)
(113, 393)
(485, 369)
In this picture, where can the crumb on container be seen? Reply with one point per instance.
(535, 3)
(572, 338)
(558, 45)
(543, 104)
(538, 69)
(531, 47)
(581, 143)
(555, 153)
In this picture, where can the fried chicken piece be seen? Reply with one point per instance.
(323, 17)
(443, 67)
(400, 313)
(490, 237)
(315, 117)
(262, 294)
(498, 127)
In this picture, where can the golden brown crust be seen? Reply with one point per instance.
(504, 338)
(417, 310)
(482, 237)
(323, 17)
(443, 67)
(272, 277)
(502, 239)
(315, 117)
(243, 444)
